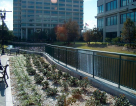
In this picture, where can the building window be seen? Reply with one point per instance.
(30, 6)
(100, 9)
(111, 35)
(132, 16)
(125, 2)
(100, 23)
(111, 5)
(111, 21)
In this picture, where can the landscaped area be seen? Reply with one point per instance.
(100, 46)
(35, 81)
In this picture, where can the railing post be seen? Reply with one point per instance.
(58, 54)
(45, 48)
(53, 53)
(77, 59)
(93, 64)
(66, 57)
(119, 69)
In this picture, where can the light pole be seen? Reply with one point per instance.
(3, 17)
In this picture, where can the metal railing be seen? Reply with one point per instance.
(118, 68)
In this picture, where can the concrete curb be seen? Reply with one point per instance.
(8, 90)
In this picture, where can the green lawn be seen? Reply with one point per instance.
(97, 46)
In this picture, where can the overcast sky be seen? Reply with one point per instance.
(90, 11)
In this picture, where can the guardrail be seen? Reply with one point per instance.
(118, 68)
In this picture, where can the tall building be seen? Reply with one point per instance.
(30, 16)
(112, 14)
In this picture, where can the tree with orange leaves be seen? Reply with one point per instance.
(61, 34)
(68, 32)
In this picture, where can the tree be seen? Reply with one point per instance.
(97, 35)
(61, 34)
(72, 30)
(128, 31)
(6, 34)
(88, 35)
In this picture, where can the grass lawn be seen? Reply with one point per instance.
(98, 46)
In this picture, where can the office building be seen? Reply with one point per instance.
(30, 16)
(112, 14)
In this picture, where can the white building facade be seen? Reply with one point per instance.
(30, 16)
(112, 14)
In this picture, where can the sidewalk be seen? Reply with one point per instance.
(5, 93)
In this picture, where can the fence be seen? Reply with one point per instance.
(118, 68)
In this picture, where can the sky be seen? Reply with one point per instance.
(90, 11)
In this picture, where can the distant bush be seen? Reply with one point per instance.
(116, 40)
(107, 40)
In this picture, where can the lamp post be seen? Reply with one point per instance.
(3, 17)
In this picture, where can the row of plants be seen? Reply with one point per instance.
(26, 91)
(46, 73)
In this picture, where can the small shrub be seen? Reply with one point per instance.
(51, 91)
(44, 72)
(71, 100)
(38, 79)
(41, 60)
(66, 75)
(45, 65)
(84, 83)
(122, 101)
(73, 81)
(108, 39)
(53, 67)
(92, 102)
(40, 69)
(61, 100)
(31, 71)
(59, 72)
(55, 78)
(65, 85)
(45, 84)
(48, 75)
(116, 40)
(76, 93)
(101, 96)
(49, 68)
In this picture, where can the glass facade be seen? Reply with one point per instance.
(44, 13)
(111, 5)
(131, 15)
(111, 20)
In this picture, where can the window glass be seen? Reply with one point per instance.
(115, 4)
(108, 6)
(38, 7)
(30, 6)
(111, 5)
(132, 16)
(135, 16)
(102, 8)
(115, 20)
(30, 11)
(128, 15)
(111, 21)
(124, 18)
(23, 24)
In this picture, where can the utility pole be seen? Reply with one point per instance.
(3, 17)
